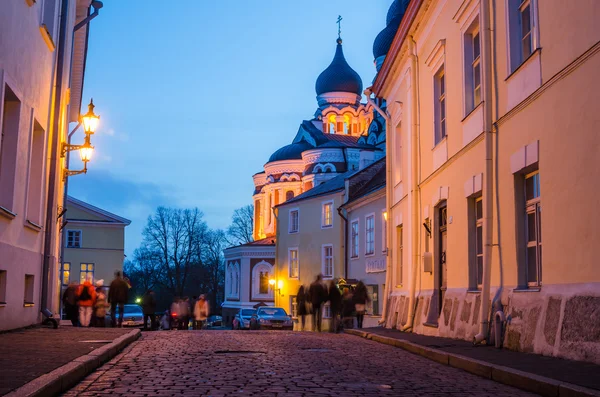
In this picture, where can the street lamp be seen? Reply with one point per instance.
(90, 120)
(90, 123)
(279, 283)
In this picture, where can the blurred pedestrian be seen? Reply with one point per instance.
(318, 296)
(86, 298)
(201, 312)
(347, 309)
(149, 308)
(184, 313)
(165, 321)
(335, 302)
(361, 298)
(70, 303)
(301, 306)
(117, 297)
(174, 318)
(100, 306)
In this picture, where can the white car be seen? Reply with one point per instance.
(242, 318)
(133, 316)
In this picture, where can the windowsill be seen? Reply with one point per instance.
(526, 61)
(473, 291)
(2, 304)
(33, 226)
(435, 146)
(530, 289)
(354, 257)
(5, 212)
(327, 277)
(326, 226)
(293, 278)
(295, 232)
(472, 111)
(28, 304)
(431, 325)
(369, 255)
(47, 38)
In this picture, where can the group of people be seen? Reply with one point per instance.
(186, 313)
(344, 305)
(86, 304)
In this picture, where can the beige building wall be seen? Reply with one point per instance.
(309, 241)
(544, 117)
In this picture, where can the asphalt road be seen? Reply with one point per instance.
(276, 363)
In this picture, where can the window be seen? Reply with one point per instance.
(384, 231)
(327, 311)
(327, 214)
(477, 241)
(370, 235)
(327, 260)
(29, 284)
(400, 259)
(373, 305)
(293, 221)
(2, 287)
(472, 47)
(354, 239)
(289, 195)
(440, 105)
(48, 26)
(260, 288)
(533, 225)
(522, 31)
(9, 139)
(73, 238)
(294, 306)
(293, 261)
(263, 286)
(36, 174)
(66, 273)
(86, 272)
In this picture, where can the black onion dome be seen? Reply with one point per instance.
(339, 76)
(290, 152)
(384, 39)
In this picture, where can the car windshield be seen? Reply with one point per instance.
(248, 312)
(131, 309)
(275, 311)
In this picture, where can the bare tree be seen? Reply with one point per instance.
(242, 222)
(214, 264)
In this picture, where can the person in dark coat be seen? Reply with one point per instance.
(301, 306)
(149, 308)
(70, 301)
(361, 298)
(117, 297)
(335, 302)
(347, 309)
(318, 296)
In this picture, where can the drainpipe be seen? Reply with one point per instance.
(339, 210)
(50, 224)
(487, 177)
(388, 197)
(415, 189)
(97, 5)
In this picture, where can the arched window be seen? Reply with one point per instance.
(332, 124)
(261, 273)
(233, 280)
(263, 287)
(289, 195)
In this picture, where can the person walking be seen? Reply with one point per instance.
(201, 312)
(318, 296)
(335, 302)
(347, 309)
(361, 298)
(149, 308)
(70, 303)
(117, 297)
(100, 306)
(184, 313)
(86, 298)
(301, 306)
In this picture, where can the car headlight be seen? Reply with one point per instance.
(262, 321)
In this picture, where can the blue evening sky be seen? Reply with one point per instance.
(195, 96)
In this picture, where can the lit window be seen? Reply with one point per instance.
(533, 224)
(293, 260)
(66, 273)
(73, 238)
(327, 259)
(440, 95)
(354, 240)
(86, 272)
(293, 221)
(327, 215)
(370, 235)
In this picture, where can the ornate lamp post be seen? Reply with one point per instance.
(90, 122)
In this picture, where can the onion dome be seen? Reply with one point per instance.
(384, 39)
(290, 152)
(339, 76)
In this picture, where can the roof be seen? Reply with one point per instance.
(339, 76)
(109, 216)
(331, 186)
(265, 242)
(292, 151)
(335, 140)
(371, 184)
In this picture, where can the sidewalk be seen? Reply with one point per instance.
(482, 360)
(29, 353)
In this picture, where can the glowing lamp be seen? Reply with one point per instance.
(90, 120)
(280, 284)
(138, 300)
(272, 281)
(85, 152)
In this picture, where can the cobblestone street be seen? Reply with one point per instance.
(269, 363)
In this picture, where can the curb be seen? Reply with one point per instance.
(67, 376)
(508, 376)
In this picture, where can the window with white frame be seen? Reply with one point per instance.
(233, 274)
(440, 105)
(294, 269)
(354, 239)
(327, 260)
(73, 238)
(370, 234)
(86, 272)
(533, 211)
(384, 231)
(477, 241)
(327, 214)
(294, 221)
(294, 306)
(522, 31)
(472, 55)
(49, 19)
(327, 310)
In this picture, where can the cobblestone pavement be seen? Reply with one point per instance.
(276, 363)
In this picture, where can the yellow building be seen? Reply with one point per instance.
(492, 116)
(94, 243)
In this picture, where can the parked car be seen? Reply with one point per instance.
(214, 321)
(133, 316)
(273, 318)
(242, 318)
